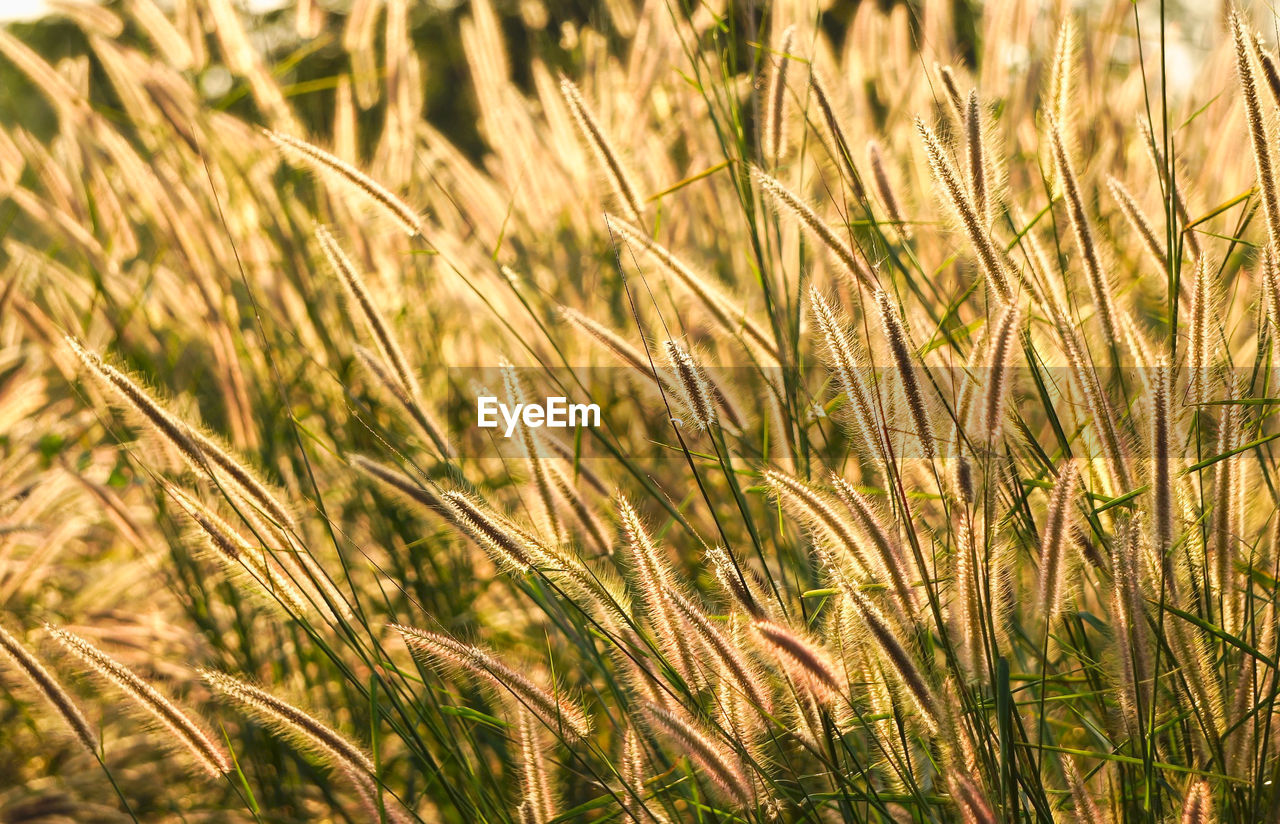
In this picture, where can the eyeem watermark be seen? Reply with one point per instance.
(554, 413)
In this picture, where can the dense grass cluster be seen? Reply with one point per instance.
(936, 480)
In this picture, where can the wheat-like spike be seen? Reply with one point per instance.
(720, 764)
(538, 800)
(1099, 282)
(508, 545)
(897, 563)
(1061, 90)
(727, 571)
(795, 207)
(1126, 605)
(200, 451)
(884, 189)
(1197, 807)
(904, 365)
(977, 162)
(632, 770)
(695, 388)
(968, 589)
(1202, 343)
(839, 143)
(1270, 71)
(656, 581)
(801, 660)
(1099, 408)
(1271, 288)
(557, 712)
(734, 321)
(376, 367)
(1001, 350)
(620, 179)
(1179, 202)
(1055, 543)
(358, 293)
(306, 729)
(1226, 480)
(48, 686)
(1139, 222)
(619, 348)
(896, 656)
(974, 806)
(317, 159)
(952, 87)
(773, 138)
(583, 513)
(731, 662)
(1264, 160)
(233, 551)
(850, 376)
(820, 515)
(532, 447)
(404, 485)
(1086, 809)
(1161, 445)
(995, 267)
(183, 727)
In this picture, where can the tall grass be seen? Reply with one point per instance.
(936, 477)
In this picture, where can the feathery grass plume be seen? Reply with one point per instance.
(1061, 90)
(632, 770)
(717, 761)
(894, 654)
(695, 388)
(802, 212)
(538, 802)
(952, 87)
(734, 321)
(48, 686)
(732, 580)
(619, 178)
(884, 189)
(1101, 413)
(730, 661)
(376, 367)
(1086, 809)
(556, 711)
(1133, 214)
(1055, 543)
(531, 445)
(1226, 479)
(1190, 238)
(405, 486)
(567, 451)
(1271, 290)
(839, 143)
(773, 136)
(1202, 342)
(802, 661)
(619, 348)
(294, 722)
(994, 264)
(898, 564)
(967, 602)
(1264, 161)
(582, 512)
(1099, 282)
(1197, 806)
(235, 553)
(978, 183)
(655, 583)
(200, 451)
(511, 547)
(1001, 350)
(185, 730)
(1161, 447)
(317, 159)
(974, 806)
(842, 358)
(904, 363)
(828, 526)
(1267, 62)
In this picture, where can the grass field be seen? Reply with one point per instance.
(933, 344)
